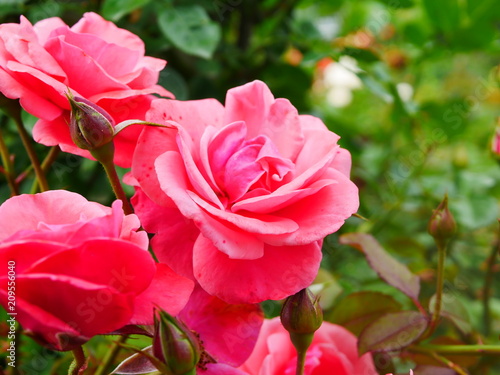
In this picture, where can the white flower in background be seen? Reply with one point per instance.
(340, 80)
(405, 91)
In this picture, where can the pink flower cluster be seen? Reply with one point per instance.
(238, 197)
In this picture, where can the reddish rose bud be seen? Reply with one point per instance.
(175, 345)
(90, 126)
(301, 316)
(442, 225)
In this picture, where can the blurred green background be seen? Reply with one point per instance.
(411, 86)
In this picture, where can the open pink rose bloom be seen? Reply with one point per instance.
(94, 59)
(241, 196)
(82, 269)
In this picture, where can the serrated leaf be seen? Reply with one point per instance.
(454, 310)
(116, 9)
(357, 310)
(389, 269)
(137, 364)
(392, 331)
(190, 29)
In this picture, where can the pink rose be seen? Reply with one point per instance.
(241, 197)
(333, 351)
(81, 268)
(95, 59)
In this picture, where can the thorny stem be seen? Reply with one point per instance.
(79, 363)
(46, 164)
(110, 356)
(114, 180)
(488, 282)
(439, 289)
(7, 163)
(477, 350)
(458, 369)
(26, 139)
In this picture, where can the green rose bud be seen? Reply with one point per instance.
(175, 345)
(301, 316)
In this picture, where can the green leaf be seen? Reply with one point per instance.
(475, 211)
(376, 87)
(392, 332)
(454, 310)
(398, 3)
(115, 9)
(444, 14)
(389, 269)
(190, 29)
(357, 310)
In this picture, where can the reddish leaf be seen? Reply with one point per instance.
(388, 268)
(357, 310)
(433, 370)
(137, 364)
(392, 331)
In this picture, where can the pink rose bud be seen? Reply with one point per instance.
(175, 345)
(90, 126)
(301, 316)
(442, 225)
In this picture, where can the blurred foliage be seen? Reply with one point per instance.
(418, 125)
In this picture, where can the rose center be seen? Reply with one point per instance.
(247, 167)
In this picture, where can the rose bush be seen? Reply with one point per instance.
(240, 197)
(81, 268)
(94, 59)
(333, 351)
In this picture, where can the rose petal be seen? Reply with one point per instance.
(278, 119)
(25, 212)
(152, 143)
(103, 261)
(228, 332)
(175, 235)
(219, 369)
(282, 271)
(167, 291)
(92, 23)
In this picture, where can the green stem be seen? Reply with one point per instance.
(115, 182)
(439, 289)
(46, 164)
(488, 282)
(7, 163)
(476, 350)
(79, 363)
(301, 342)
(26, 139)
(108, 360)
(458, 369)
(301, 362)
